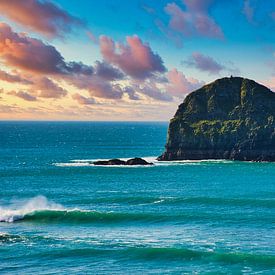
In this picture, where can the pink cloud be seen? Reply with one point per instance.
(13, 78)
(136, 59)
(6, 109)
(32, 55)
(204, 63)
(130, 91)
(23, 95)
(82, 100)
(197, 5)
(96, 86)
(170, 33)
(208, 64)
(270, 83)
(46, 88)
(179, 85)
(150, 89)
(92, 37)
(20, 51)
(42, 16)
(195, 20)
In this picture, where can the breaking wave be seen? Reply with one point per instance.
(40, 210)
(17, 211)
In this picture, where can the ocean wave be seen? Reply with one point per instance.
(166, 254)
(146, 253)
(76, 217)
(40, 210)
(18, 210)
(83, 216)
(139, 200)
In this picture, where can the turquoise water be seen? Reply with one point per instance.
(62, 215)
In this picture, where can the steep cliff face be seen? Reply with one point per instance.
(231, 118)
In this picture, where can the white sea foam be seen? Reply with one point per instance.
(73, 164)
(18, 210)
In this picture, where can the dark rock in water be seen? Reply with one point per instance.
(110, 162)
(137, 161)
(134, 161)
(231, 118)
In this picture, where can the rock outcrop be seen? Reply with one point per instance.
(231, 118)
(134, 161)
(110, 162)
(137, 161)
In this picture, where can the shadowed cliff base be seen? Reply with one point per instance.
(230, 118)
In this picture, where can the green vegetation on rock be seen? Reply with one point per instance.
(231, 118)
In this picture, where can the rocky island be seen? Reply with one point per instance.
(231, 118)
(130, 162)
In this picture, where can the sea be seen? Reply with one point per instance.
(60, 214)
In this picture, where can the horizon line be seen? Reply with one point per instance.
(29, 120)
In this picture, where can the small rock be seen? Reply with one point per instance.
(134, 161)
(110, 162)
(137, 161)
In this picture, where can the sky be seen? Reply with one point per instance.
(126, 60)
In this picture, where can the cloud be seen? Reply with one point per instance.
(104, 83)
(270, 83)
(82, 100)
(32, 55)
(6, 109)
(20, 51)
(42, 16)
(175, 37)
(135, 59)
(208, 64)
(46, 88)
(194, 21)
(107, 71)
(248, 11)
(151, 89)
(13, 78)
(23, 95)
(92, 37)
(197, 5)
(96, 86)
(204, 63)
(148, 9)
(130, 91)
(179, 85)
